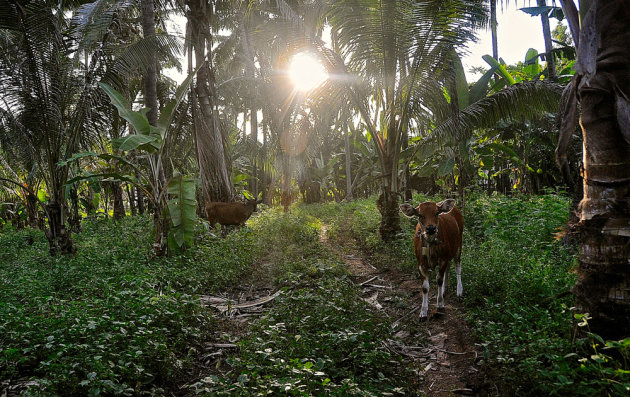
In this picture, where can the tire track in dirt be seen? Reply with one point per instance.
(442, 350)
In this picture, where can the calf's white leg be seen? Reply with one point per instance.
(424, 309)
(440, 295)
(458, 269)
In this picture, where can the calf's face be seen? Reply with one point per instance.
(253, 203)
(427, 214)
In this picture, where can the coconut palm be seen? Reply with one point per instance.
(210, 139)
(395, 53)
(52, 100)
(602, 87)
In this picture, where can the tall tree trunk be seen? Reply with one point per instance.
(119, 206)
(286, 195)
(603, 287)
(140, 200)
(31, 210)
(58, 236)
(253, 183)
(211, 153)
(265, 177)
(551, 61)
(160, 223)
(132, 200)
(139, 195)
(493, 29)
(387, 202)
(149, 82)
(406, 187)
(74, 219)
(348, 156)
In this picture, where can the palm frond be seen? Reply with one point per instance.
(521, 101)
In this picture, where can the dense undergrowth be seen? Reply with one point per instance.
(515, 275)
(110, 319)
(113, 320)
(319, 338)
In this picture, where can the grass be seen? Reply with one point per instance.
(320, 337)
(109, 320)
(513, 270)
(112, 320)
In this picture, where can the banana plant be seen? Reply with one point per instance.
(508, 97)
(171, 200)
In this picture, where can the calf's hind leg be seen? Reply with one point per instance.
(441, 284)
(458, 269)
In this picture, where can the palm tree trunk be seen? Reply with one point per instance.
(603, 287)
(58, 236)
(31, 210)
(74, 219)
(211, 153)
(119, 206)
(406, 187)
(387, 202)
(551, 62)
(160, 224)
(132, 200)
(349, 196)
(493, 29)
(150, 75)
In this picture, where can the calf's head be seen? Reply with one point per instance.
(253, 204)
(427, 214)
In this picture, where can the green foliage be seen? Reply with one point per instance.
(110, 319)
(317, 340)
(182, 207)
(150, 138)
(513, 271)
(320, 338)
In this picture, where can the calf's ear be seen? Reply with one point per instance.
(409, 210)
(446, 205)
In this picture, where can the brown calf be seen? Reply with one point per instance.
(230, 213)
(438, 239)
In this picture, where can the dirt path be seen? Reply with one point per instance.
(441, 350)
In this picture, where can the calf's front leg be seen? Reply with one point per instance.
(424, 279)
(441, 285)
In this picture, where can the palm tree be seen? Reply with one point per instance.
(467, 109)
(602, 87)
(210, 140)
(51, 99)
(551, 62)
(395, 52)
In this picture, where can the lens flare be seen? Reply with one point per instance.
(306, 71)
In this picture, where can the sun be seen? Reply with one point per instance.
(306, 71)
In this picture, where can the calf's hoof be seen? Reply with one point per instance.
(422, 319)
(440, 310)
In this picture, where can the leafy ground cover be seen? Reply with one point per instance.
(320, 337)
(516, 281)
(113, 320)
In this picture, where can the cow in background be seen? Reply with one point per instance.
(437, 241)
(236, 213)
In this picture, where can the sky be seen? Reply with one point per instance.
(516, 31)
